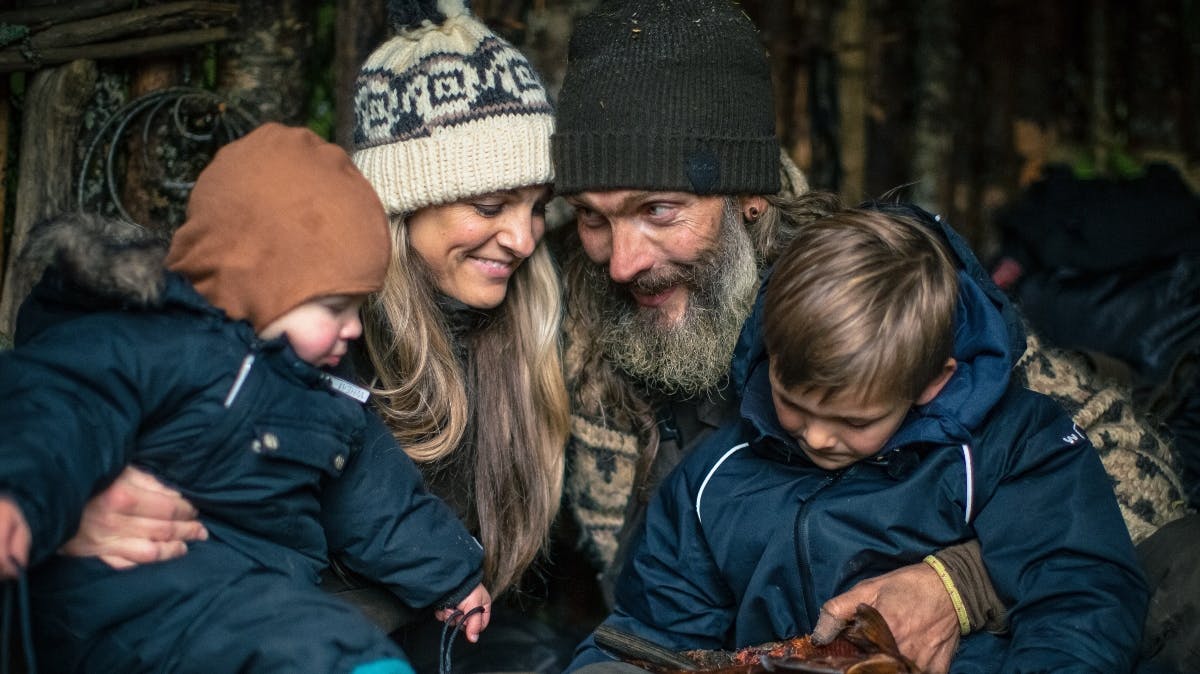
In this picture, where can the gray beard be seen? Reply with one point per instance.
(693, 354)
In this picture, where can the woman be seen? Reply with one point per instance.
(461, 347)
(453, 130)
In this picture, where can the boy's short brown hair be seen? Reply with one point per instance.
(863, 302)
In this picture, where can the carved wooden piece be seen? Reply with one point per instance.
(864, 646)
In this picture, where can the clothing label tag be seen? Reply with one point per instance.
(1075, 436)
(347, 389)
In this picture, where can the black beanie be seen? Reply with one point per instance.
(666, 95)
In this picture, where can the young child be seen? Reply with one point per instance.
(211, 375)
(878, 426)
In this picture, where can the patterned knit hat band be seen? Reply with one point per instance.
(447, 110)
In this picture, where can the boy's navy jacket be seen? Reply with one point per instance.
(747, 538)
(284, 470)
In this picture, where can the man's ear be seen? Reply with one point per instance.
(752, 207)
(935, 386)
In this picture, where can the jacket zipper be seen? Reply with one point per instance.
(243, 372)
(802, 556)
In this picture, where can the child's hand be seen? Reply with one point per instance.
(14, 540)
(477, 622)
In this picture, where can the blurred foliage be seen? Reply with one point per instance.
(10, 34)
(1114, 161)
(323, 93)
(208, 67)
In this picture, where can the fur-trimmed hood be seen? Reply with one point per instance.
(112, 258)
(79, 263)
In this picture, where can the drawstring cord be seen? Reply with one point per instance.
(20, 588)
(454, 624)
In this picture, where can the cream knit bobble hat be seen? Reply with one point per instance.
(447, 110)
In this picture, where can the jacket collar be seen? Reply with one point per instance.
(988, 340)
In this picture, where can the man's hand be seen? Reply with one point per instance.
(15, 540)
(916, 607)
(476, 623)
(136, 520)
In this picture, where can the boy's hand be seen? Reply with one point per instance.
(136, 520)
(15, 539)
(916, 607)
(476, 623)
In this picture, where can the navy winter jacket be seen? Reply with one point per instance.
(747, 538)
(284, 469)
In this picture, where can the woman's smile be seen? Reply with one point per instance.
(473, 247)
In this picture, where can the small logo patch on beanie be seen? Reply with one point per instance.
(703, 170)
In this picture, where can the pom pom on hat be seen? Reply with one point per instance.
(448, 110)
(405, 15)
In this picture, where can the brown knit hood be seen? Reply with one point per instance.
(281, 217)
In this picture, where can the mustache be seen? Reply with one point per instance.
(654, 282)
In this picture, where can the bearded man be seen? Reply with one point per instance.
(666, 149)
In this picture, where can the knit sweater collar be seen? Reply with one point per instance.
(461, 318)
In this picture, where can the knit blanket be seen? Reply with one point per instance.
(1138, 458)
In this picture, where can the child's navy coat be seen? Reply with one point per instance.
(284, 470)
(747, 538)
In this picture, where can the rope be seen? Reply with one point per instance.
(5, 613)
(454, 624)
(20, 588)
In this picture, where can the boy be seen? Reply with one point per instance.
(878, 426)
(214, 383)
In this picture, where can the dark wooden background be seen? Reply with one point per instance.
(957, 104)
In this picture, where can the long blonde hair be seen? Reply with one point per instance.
(507, 400)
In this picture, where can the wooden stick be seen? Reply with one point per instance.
(853, 96)
(12, 59)
(4, 114)
(54, 104)
(159, 19)
(39, 17)
(137, 194)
